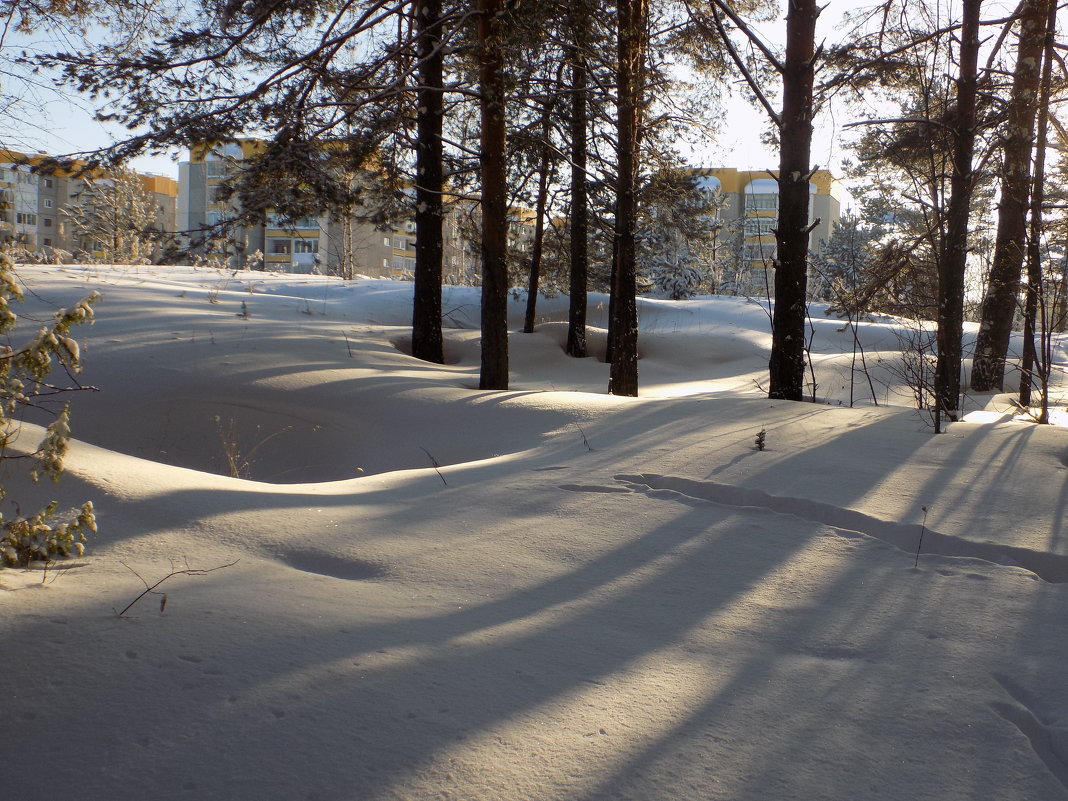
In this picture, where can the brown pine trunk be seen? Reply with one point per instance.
(787, 364)
(1034, 254)
(426, 309)
(955, 245)
(579, 222)
(1003, 285)
(494, 370)
(623, 375)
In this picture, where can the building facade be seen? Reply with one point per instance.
(749, 207)
(323, 243)
(33, 202)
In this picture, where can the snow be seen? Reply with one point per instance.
(589, 597)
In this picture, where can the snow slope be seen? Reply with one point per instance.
(545, 593)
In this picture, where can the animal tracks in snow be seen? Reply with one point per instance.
(1049, 567)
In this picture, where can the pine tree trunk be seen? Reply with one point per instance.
(623, 375)
(539, 230)
(426, 312)
(1003, 285)
(955, 245)
(787, 364)
(579, 222)
(1034, 238)
(494, 372)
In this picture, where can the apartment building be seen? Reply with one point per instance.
(320, 243)
(750, 204)
(324, 243)
(32, 203)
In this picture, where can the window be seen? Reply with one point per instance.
(217, 169)
(766, 200)
(760, 226)
(47, 222)
(48, 242)
(398, 243)
(48, 203)
(25, 218)
(759, 252)
(280, 246)
(305, 245)
(48, 183)
(387, 241)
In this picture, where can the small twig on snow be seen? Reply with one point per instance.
(585, 441)
(923, 527)
(434, 462)
(151, 588)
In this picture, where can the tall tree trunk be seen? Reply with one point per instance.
(1003, 286)
(579, 221)
(494, 372)
(955, 246)
(787, 364)
(1034, 238)
(623, 375)
(429, 156)
(539, 228)
(613, 279)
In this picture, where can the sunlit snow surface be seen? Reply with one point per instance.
(540, 593)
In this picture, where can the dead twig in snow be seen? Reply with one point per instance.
(434, 462)
(192, 571)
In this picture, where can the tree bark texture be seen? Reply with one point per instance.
(1029, 357)
(787, 364)
(494, 371)
(623, 374)
(955, 245)
(579, 221)
(1003, 285)
(429, 155)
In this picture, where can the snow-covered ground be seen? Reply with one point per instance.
(546, 593)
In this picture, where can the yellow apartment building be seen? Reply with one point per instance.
(751, 202)
(32, 202)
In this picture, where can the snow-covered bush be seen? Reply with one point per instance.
(24, 371)
(677, 234)
(669, 265)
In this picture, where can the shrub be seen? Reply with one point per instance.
(24, 371)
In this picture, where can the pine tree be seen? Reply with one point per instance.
(677, 227)
(1003, 288)
(631, 42)
(494, 200)
(843, 267)
(427, 340)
